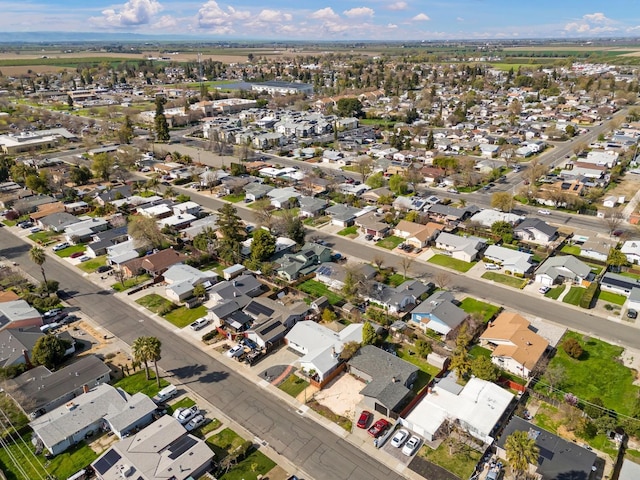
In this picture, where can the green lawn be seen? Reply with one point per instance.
(631, 275)
(478, 351)
(131, 282)
(574, 296)
(45, 237)
(61, 466)
(67, 252)
(461, 463)
(256, 463)
(234, 198)
(223, 442)
(610, 297)
(555, 292)
(183, 316)
(449, 262)
(389, 242)
(408, 353)
(397, 279)
(138, 382)
(598, 373)
(293, 385)
(571, 250)
(185, 402)
(503, 279)
(92, 265)
(154, 302)
(353, 230)
(486, 310)
(211, 426)
(317, 289)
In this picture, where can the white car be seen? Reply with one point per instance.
(452, 190)
(411, 446)
(195, 422)
(60, 246)
(544, 211)
(183, 415)
(199, 324)
(235, 351)
(491, 266)
(84, 258)
(544, 289)
(399, 438)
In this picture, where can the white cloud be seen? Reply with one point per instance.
(165, 22)
(392, 26)
(211, 15)
(459, 19)
(134, 12)
(421, 17)
(359, 12)
(592, 24)
(325, 14)
(268, 15)
(398, 6)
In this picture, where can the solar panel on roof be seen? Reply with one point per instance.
(105, 463)
(181, 446)
(255, 308)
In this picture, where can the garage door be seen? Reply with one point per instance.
(381, 409)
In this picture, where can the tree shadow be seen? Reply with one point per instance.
(188, 371)
(213, 377)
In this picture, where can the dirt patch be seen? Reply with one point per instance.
(627, 188)
(341, 396)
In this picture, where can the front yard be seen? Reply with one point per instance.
(613, 298)
(131, 282)
(293, 385)
(317, 289)
(183, 316)
(450, 262)
(453, 456)
(351, 232)
(574, 296)
(227, 441)
(555, 292)
(67, 252)
(507, 280)
(92, 265)
(483, 310)
(234, 198)
(156, 303)
(390, 242)
(138, 382)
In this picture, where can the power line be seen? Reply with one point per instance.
(25, 450)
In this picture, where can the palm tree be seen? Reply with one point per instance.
(521, 451)
(169, 192)
(140, 350)
(155, 347)
(38, 257)
(153, 183)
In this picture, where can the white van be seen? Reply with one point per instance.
(165, 394)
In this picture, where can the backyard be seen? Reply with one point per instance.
(450, 262)
(409, 354)
(507, 280)
(574, 295)
(317, 289)
(598, 373)
(483, 310)
(389, 242)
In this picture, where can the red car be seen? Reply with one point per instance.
(363, 421)
(76, 254)
(378, 428)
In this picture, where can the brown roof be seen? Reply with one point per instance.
(161, 260)
(524, 346)
(427, 231)
(410, 227)
(8, 296)
(47, 209)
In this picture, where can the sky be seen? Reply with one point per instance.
(331, 20)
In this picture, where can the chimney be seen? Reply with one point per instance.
(27, 360)
(85, 388)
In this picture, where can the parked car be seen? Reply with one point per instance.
(60, 246)
(51, 313)
(491, 266)
(411, 446)
(544, 211)
(452, 190)
(199, 324)
(195, 422)
(368, 237)
(49, 327)
(399, 438)
(183, 415)
(247, 342)
(104, 268)
(617, 233)
(363, 420)
(25, 225)
(84, 258)
(378, 428)
(631, 313)
(35, 230)
(544, 289)
(68, 319)
(235, 351)
(76, 254)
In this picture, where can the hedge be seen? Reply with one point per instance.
(589, 295)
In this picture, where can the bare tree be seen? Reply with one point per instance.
(405, 264)
(263, 212)
(535, 171)
(612, 220)
(364, 166)
(378, 260)
(442, 279)
(508, 153)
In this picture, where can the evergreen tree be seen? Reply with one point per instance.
(162, 127)
(125, 135)
(232, 233)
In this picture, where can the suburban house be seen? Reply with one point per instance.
(372, 224)
(90, 412)
(439, 313)
(333, 274)
(405, 203)
(466, 249)
(18, 314)
(272, 320)
(631, 248)
(388, 379)
(311, 206)
(293, 265)
(513, 261)
(282, 197)
(84, 230)
(181, 279)
(478, 407)
(488, 217)
(16, 345)
(57, 222)
(401, 298)
(620, 284)
(40, 390)
(374, 195)
(562, 269)
(283, 244)
(320, 346)
(179, 222)
(155, 264)
(115, 193)
(199, 225)
(595, 248)
(447, 213)
(514, 346)
(256, 191)
(342, 215)
(535, 230)
(105, 239)
(162, 450)
(121, 253)
(416, 234)
(558, 458)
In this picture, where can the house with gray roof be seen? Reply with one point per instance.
(311, 206)
(342, 215)
(88, 413)
(40, 390)
(401, 298)
(272, 319)
(448, 213)
(162, 450)
(181, 279)
(512, 260)
(16, 345)
(30, 203)
(564, 268)
(440, 314)
(388, 379)
(310, 256)
(198, 226)
(256, 191)
(466, 249)
(333, 274)
(84, 230)
(620, 284)
(18, 314)
(103, 240)
(281, 197)
(57, 222)
(115, 193)
(535, 230)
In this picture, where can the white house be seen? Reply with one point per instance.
(461, 248)
(512, 260)
(631, 248)
(181, 279)
(535, 230)
(564, 268)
